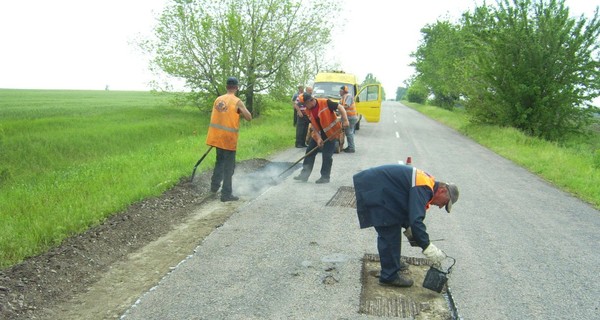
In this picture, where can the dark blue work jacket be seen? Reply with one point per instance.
(394, 195)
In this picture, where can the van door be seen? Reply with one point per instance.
(368, 102)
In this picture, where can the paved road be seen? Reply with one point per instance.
(524, 249)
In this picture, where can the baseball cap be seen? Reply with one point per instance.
(304, 98)
(453, 195)
(232, 81)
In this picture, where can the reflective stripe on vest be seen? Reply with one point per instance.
(218, 126)
(422, 178)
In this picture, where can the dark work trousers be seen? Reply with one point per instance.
(295, 117)
(301, 130)
(388, 245)
(223, 172)
(309, 162)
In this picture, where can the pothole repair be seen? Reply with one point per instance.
(415, 302)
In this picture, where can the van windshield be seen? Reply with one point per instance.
(330, 90)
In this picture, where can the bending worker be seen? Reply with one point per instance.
(326, 129)
(392, 197)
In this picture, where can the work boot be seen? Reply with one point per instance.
(225, 198)
(349, 150)
(322, 180)
(301, 178)
(403, 266)
(401, 281)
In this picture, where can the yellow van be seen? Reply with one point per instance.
(367, 98)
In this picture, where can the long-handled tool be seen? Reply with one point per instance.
(310, 152)
(199, 161)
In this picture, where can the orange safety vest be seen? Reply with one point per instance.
(327, 118)
(224, 123)
(422, 178)
(350, 110)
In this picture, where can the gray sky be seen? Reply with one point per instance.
(74, 44)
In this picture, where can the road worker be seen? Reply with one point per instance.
(392, 197)
(223, 135)
(326, 129)
(347, 101)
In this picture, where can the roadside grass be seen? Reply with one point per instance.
(70, 159)
(573, 166)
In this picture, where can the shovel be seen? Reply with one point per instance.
(310, 152)
(199, 161)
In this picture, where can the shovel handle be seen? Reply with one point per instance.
(295, 163)
(199, 161)
(310, 152)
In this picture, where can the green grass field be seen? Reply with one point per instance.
(69, 159)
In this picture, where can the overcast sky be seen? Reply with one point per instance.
(75, 44)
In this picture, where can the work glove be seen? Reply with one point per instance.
(435, 255)
(409, 236)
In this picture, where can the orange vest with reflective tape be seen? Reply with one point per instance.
(224, 123)
(351, 109)
(422, 178)
(328, 120)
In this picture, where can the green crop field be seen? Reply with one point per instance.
(69, 159)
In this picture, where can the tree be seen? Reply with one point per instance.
(440, 62)
(371, 79)
(400, 93)
(203, 42)
(417, 91)
(535, 67)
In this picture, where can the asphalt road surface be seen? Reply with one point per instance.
(524, 249)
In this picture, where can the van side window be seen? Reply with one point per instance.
(370, 93)
(362, 96)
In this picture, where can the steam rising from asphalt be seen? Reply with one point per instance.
(251, 185)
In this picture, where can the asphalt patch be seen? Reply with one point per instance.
(414, 302)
